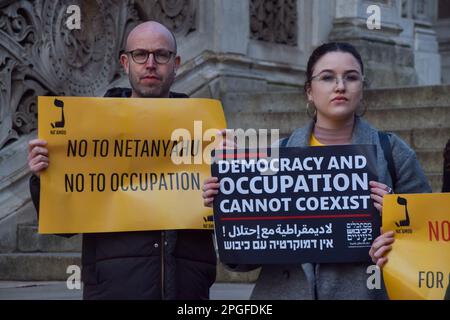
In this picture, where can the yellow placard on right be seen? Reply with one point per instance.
(419, 263)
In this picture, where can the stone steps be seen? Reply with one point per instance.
(417, 118)
(37, 266)
(287, 122)
(29, 240)
(435, 180)
(431, 160)
(416, 107)
(55, 253)
(428, 138)
(46, 266)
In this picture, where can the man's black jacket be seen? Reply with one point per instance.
(145, 265)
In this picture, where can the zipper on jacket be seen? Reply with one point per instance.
(162, 266)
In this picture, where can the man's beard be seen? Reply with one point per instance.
(157, 91)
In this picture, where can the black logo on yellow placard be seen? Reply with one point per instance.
(405, 222)
(208, 218)
(59, 125)
(208, 222)
(62, 122)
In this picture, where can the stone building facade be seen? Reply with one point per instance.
(226, 46)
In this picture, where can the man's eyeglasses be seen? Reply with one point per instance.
(352, 79)
(140, 56)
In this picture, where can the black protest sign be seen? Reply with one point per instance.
(308, 204)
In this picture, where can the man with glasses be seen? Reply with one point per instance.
(150, 264)
(150, 65)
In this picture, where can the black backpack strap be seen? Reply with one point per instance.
(387, 150)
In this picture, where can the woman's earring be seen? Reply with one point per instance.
(310, 113)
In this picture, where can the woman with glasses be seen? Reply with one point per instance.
(334, 88)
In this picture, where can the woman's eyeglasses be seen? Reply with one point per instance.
(352, 80)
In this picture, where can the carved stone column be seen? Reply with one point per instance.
(442, 27)
(180, 16)
(389, 60)
(274, 21)
(416, 19)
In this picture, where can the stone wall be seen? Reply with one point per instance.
(227, 47)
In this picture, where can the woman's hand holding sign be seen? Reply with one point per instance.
(378, 190)
(211, 185)
(381, 246)
(383, 243)
(210, 190)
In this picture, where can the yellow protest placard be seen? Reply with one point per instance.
(419, 262)
(123, 164)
